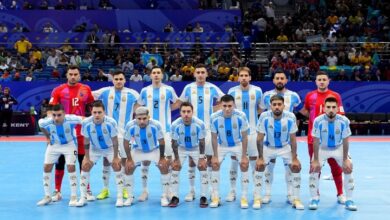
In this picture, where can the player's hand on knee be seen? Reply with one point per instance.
(202, 164)
(260, 165)
(163, 164)
(116, 163)
(295, 165)
(244, 164)
(347, 166)
(215, 163)
(315, 166)
(86, 164)
(129, 166)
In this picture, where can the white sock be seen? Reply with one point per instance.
(244, 183)
(288, 179)
(252, 164)
(119, 184)
(258, 181)
(129, 184)
(73, 183)
(269, 176)
(165, 184)
(296, 185)
(191, 177)
(84, 180)
(349, 185)
(204, 184)
(175, 183)
(215, 183)
(106, 176)
(144, 176)
(233, 174)
(313, 184)
(46, 183)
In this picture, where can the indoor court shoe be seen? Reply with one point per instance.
(297, 204)
(314, 204)
(267, 199)
(174, 202)
(125, 194)
(90, 196)
(203, 203)
(215, 202)
(231, 196)
(164, 201)
(73, 201)
(190, 196)
(46, 200)
(56, 196)
(244, 203)
(257, 203)
(82, 202)
(350, 205)
(119, 201)
(104, 194)
(341, 199)
(129, 201)
(144, 196)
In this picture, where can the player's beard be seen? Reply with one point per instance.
(331, 115)
(277, 113)
(279, 86)
(244, 84)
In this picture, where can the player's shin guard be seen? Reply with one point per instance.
(175, 183)
(258, 182)
(84, 181)
(269, 177)
(313, 185)
(129, 184)
(215, 183)
(106, 176)
(204, 184)
(73, 184)
(233, 175)
(191, 178)
(119, 184)
(289, 180)
(144, 176)
(46, 183)
(295, 185)
(349, 185)
(165, 184)
(244, 183)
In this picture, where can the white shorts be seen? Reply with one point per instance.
(234, 151)
(252, 145)
(96, 154)
(53, 152)
(336, 153)
(272, 153)
(208, 144)
(184, 153)
(168, 144)
(140, 156)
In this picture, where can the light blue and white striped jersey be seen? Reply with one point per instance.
(291, 100)
(229, 129)
(100, 134)
(63, 133)
(277, 132)
(187, 136)
(331, 134)
(145, 138)
(248, 101)
(119, 104)
(202, 98)
(158, 101)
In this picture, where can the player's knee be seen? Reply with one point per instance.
(72, 168)
(176, 167)
(116, 167)
(244, 167)
(47, 168)
(215, 166)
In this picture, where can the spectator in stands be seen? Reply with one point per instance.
(66, 47)
(6, 77)
(313, 65)
(48, 28)
(152, 63)
(364, 59)
(282, 37)
(55, 74)
(36, 54)
(198, 28)
(114, 39)
(36, 66)
(342, 76)
(105, 4)
(136, 77)
(75, 59)
(234, 76)
(146, 77)
(378, 76)
(60, 5)
(87, 76)
(189, 28)
(71, 5)
(92, 40)
(27, 5)
(177, 77)
(6, 102)
(29, 77)
(3, 28)
(100, 77)
(332, 59)
(188, 76)
(3, 66)
(63, 61)
(223, 71)
(228, 28)
(189, 67)
(127, 66)
(14, 5)
(23, 46)
(305, 76)
(270, 11)
(86, 62)
(260, 27)
(291, 69)
(44, 5)
(140, 66)
(168, 28)
(53, 59)
(356, 75)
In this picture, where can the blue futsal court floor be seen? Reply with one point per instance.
(21, 188)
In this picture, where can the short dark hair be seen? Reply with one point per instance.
(322, 73)
(200, 65)
(97, 104)
(279, 71)
(276, 98)
(244, 69)
(58, 107)
(157, 67)
(73, 67)
(186, 104)
(118, 72)
(331, 99)
(227, 98)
